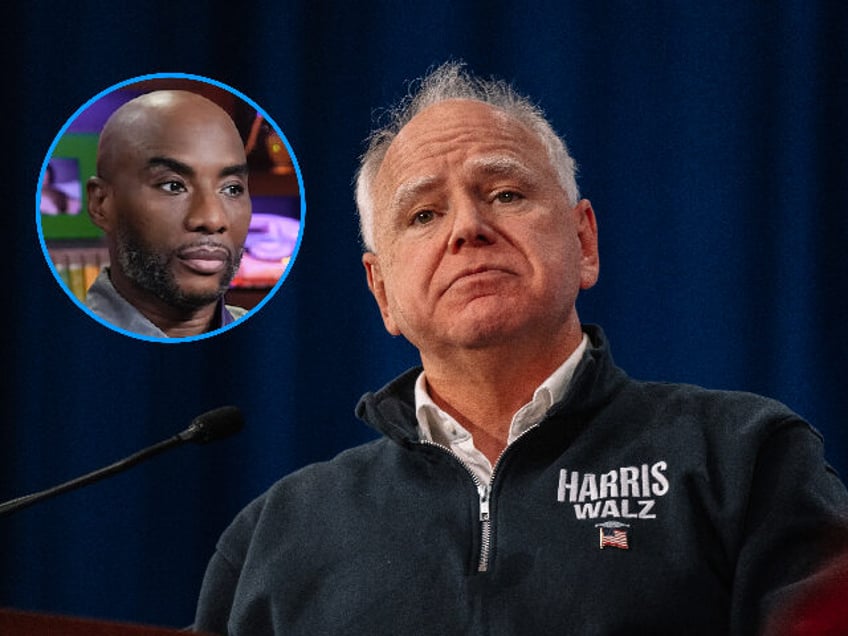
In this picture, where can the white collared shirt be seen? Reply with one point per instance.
(437, 426)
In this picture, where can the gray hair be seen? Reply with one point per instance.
(447, 82)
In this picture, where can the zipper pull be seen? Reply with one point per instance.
(484, 491)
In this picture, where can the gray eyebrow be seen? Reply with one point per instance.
(411, 189)
(500, 165)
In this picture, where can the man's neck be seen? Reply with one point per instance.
(483, 388)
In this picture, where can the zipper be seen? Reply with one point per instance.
(484, 491)
(484, 495)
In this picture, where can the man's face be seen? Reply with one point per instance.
(178, 206)
(475, 241)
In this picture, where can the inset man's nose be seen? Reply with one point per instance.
(207, 214)
(470, 227)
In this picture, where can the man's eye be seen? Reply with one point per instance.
(234, 189)
(172, 187)
(507, 196)
(423, 217)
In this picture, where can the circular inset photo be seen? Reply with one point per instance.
(170, 207)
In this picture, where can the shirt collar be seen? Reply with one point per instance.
(105, 301)
(436, 425)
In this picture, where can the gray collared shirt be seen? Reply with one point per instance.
(105, 301)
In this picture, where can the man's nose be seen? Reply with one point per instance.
(471, 225)
(207, 213)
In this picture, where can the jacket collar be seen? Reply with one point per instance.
(391, 410)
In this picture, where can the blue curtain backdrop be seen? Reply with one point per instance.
(712, 139)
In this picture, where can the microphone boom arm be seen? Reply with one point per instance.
(214, 424)
(90, 478)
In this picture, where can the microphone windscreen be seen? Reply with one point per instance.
(213, 425)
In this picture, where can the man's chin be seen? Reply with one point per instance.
(202, 286)
(197, 298)
(169, 280)
(189, 296)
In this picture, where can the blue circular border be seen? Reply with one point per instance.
(301, 191)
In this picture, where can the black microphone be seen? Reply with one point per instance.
(210, 426)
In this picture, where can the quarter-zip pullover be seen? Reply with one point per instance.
(632, 508)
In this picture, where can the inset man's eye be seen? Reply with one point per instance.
(172, 187)
(234, 189)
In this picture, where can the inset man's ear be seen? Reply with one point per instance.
(99, 203)
(377, 285)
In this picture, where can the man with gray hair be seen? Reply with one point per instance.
(524, 483)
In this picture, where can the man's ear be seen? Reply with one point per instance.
(587, 232)
(99, 203)
(377, 285)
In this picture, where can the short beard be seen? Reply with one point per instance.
(150, 271)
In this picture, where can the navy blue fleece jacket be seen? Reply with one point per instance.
(633, 508)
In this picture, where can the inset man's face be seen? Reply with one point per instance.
(176, 203)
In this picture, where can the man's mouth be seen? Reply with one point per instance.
(477, 275)
(205, 259)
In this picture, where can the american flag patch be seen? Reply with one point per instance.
(613, 534)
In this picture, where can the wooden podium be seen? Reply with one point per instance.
(15, 623)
